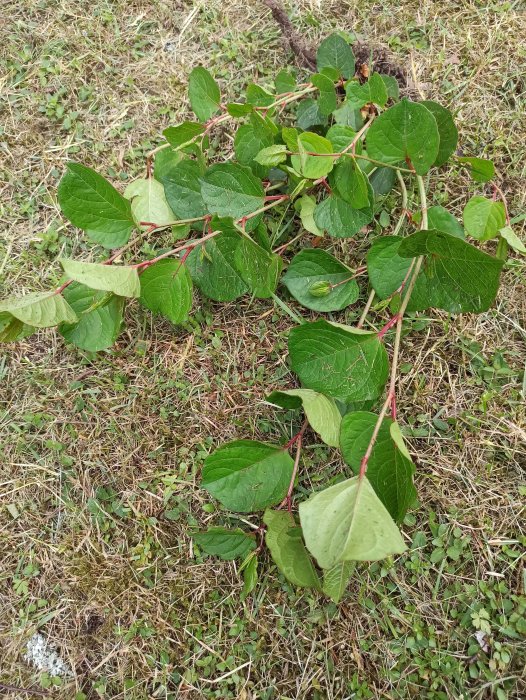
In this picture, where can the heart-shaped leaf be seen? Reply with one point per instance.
(348, 522)
(407, 130)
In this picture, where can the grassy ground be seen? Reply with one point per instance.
(100, 454)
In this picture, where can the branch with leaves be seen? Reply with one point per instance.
(331, 161)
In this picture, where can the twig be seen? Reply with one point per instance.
(366, 309)
(390, 400)
(29, 691)
(298, 439)
(504, 201)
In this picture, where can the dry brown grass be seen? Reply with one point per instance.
(122, 596)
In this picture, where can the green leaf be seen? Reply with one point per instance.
(284, 82)
(480, 169)
(306, 206)
(405, 130)
(247, 476)
(258, 96)
(382, 180)
(258, 268)
(236, 109)
(272, 155)
(99, 318)
(313, 265)
(447, 131)
(336, 580)
(340, 219)
(250, 576)
(341, 137)
(203, 91)
(250, 139)
(391, 85)
(283, 538)
(149, 202)
(38, 309)
(91, 203)
(457, 276)
(386, 269)
(12, 330)
(121, 280)
(230, 189)
(182, 186)
(211, 266)
(224, 543)
(348, 522)
(511, 237)
(373, 91)
(182, 134)
(321, 411)
(165, 160)
(483, 218)
(327, 100)
(335, 52)
(353, 186)
(341, 362)
(441, 220)
(349, 116)
(309, 166)
(166, 289)
(389, 469)
(290, 136)
(309, 114)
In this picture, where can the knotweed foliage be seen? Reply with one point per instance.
(312, 162)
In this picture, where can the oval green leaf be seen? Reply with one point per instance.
(312, 265)
(121, 280)
(247, 476)
(284, 540)
(90, 202)
(203, 91)
(166, 289)
(230, 189)
(321, 411)
(99, 318)
(224, 543)
(344, 363)
(211, 266)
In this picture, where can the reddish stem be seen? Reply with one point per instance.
(393, 407)
(298, 438)
(497, 189)
(392, 322)
(276, 197)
